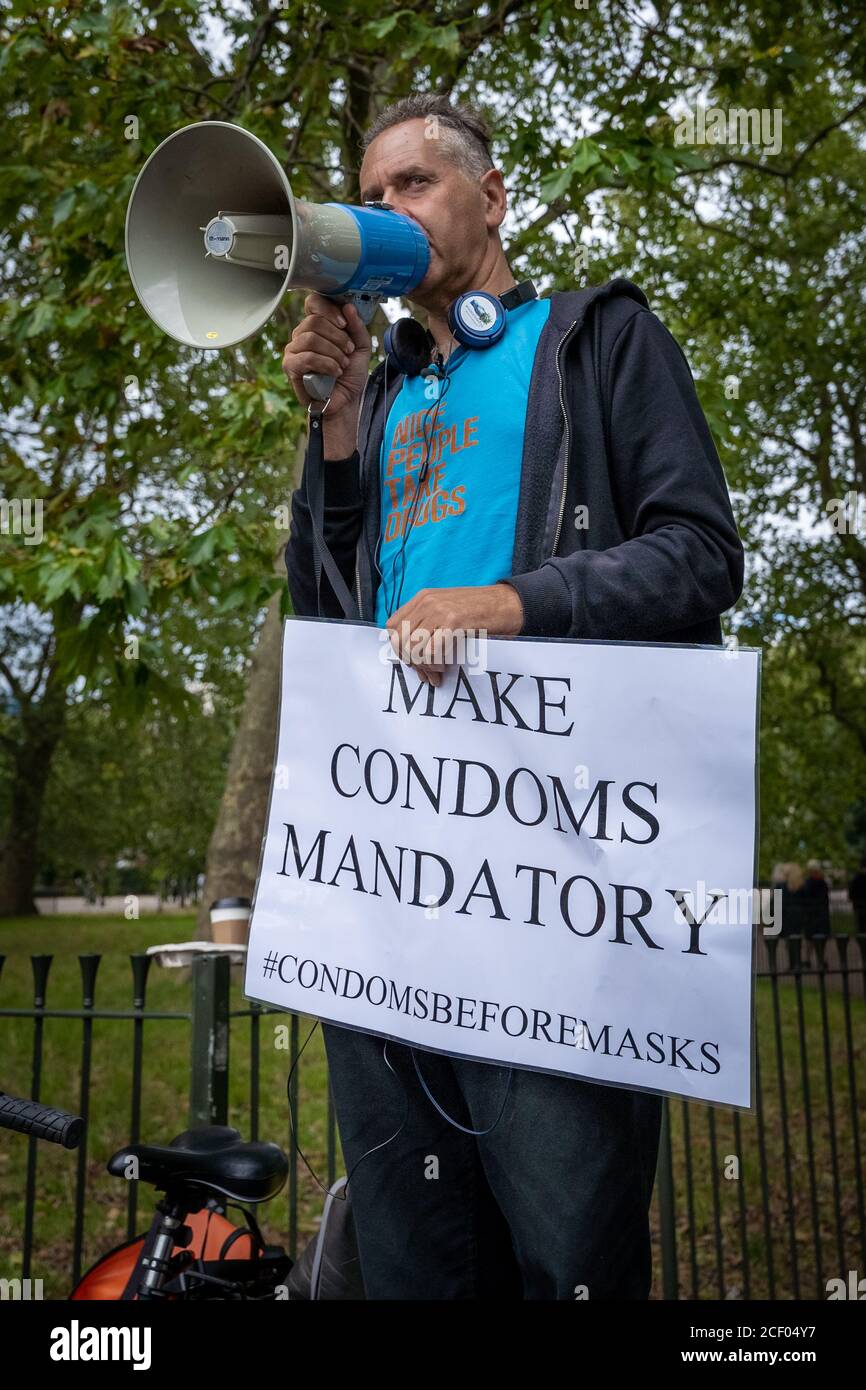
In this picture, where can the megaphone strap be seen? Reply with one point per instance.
(322, 557)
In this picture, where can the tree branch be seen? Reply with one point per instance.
(839, 711)
(827, 130)
(256, 48)
(14, 684)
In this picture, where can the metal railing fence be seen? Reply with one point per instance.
(762, 1205)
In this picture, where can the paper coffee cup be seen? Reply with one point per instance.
(230, 921)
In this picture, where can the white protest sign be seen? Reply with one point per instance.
(547, 861)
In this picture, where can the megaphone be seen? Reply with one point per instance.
(215, 238)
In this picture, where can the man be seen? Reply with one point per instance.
(816, 901)
(857, 894)
(586, 499)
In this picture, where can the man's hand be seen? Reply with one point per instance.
(423, 630)
(331, 339)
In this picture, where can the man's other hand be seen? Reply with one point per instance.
(425, 630)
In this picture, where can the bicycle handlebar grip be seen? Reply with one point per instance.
(40, 1121)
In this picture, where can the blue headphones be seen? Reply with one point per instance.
(476, 319)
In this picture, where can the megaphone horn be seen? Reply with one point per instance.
(215, 238)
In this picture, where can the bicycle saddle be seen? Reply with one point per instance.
(213, 1157)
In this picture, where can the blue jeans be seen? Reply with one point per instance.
(554, 1199)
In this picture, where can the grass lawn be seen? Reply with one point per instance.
(723, 1148)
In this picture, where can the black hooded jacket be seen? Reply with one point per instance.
(624, 525)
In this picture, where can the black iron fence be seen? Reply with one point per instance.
(768, 1204)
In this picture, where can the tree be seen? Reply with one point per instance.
(145, 789)
(154, 474)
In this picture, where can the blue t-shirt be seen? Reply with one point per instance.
(466, 508)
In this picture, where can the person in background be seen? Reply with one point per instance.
(793, 900)
(816, 901)
(857, 894)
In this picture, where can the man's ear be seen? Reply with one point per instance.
(492, 187)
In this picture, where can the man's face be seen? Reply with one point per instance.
(458, 214)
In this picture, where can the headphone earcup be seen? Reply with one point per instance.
(408, 346)
(476, 319)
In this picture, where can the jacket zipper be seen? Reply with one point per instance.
(559, 352)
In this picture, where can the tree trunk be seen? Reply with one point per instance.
(42, 725)
(235, 845)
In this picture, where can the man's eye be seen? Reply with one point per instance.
(421, 178)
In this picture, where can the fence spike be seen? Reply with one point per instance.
(88, 965)
(140, 968)
(40, 966)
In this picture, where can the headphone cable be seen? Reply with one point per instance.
(343, 1196)
(413, 509)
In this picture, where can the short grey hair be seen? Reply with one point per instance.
(466, 134)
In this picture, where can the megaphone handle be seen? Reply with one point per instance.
(318, 386)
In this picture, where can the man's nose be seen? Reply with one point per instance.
(397, 206)
(390, 201)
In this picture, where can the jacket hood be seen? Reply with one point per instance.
(566, 306)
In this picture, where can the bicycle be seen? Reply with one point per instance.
(202, 1172)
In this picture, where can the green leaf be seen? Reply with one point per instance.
(63, 207)
(202, 548)
(555, 185)
(626, 161)
(109, 586)
(62, 580)
(588, 155)
(233, 599)
(380, 27)
(137, 598)
(76, 317)
(448, 38)
(41, 318)
(689, 159)
(19, 173)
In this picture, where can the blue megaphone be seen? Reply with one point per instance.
(215, 238)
